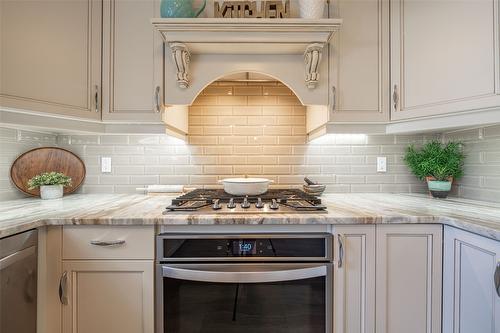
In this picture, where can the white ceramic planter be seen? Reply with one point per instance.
(246, 186)
(311, 9)
(48, 192)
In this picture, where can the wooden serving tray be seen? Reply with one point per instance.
(47, 159)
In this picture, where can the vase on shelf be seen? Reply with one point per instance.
(311, 9)
(180, 9)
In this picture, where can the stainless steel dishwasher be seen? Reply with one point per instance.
(18, 282)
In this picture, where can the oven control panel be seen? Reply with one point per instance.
(249, 247)
(191, 247)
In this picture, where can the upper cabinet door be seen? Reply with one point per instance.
(471, 302)
(359, 61)
(132, 61)
(444, 57)
(50, 56)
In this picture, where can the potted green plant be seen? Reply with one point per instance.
(51, 184)
(437, 163)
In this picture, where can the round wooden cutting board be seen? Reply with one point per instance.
(47, 159)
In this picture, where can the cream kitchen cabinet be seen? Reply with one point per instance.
(354, 279)
(132, 62)
(106, 279)
(50, 57)
(444, 57)
(359, 62)
(471, 299)
(408, 278)
(107, 296)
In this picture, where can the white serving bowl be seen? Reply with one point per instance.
(246, 186)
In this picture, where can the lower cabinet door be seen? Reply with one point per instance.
(354, 279)
(409, 278)
(471, 300)
(107, 297)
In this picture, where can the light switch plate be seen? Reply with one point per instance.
(105, 164)
(381, 164)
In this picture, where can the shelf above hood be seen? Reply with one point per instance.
(247, 36)
(306, 39)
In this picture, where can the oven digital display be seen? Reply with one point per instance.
(244, 247)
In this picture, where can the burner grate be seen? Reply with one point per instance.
(289, 201)
(208, 195)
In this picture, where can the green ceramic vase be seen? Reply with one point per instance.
(180, 8)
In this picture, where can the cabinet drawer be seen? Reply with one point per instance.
(104, 242)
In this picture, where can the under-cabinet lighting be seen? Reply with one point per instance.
(339, 139)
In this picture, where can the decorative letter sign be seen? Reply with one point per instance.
(248, 9)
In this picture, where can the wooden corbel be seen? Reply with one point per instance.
(181, 56)
(312, 60)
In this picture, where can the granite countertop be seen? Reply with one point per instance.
(476, 216)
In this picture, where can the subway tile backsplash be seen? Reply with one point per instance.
(13, 143)
(482, 165)
(256, 130)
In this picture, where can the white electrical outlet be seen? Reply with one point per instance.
(381, 164)
(105, 164)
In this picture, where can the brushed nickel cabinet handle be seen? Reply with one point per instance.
(334, 98)
(157, 100)
(63, 289)
(107, 243)
(96, 98)
(497, 278)
(30, 286)
(395, 97)
(341, 251)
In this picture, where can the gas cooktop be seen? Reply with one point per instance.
(273, 201)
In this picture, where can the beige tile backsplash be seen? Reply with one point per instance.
(255, 130)
(245, 129)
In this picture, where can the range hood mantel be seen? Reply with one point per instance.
(247, 37)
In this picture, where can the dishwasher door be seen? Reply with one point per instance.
(18, 282)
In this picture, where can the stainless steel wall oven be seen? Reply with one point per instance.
(244, 283)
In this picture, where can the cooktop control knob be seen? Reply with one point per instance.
(274, 204)
(231, 204)
(216, 205)
(245, 203)
(259, 203)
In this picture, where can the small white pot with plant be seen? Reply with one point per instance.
(51, 184)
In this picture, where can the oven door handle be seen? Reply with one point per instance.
(244, 273)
